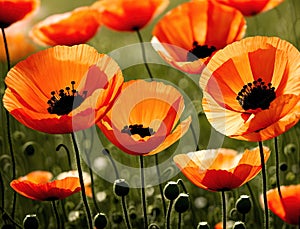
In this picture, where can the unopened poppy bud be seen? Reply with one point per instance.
(203, 225)
(132, 212)
(121, 187)
(100, 221)
(117, 217)
(182, 203)
(171, 190)
(243, 204)
(283, 166)
(31, 222)
(153, 226)
(290, 149)
(239, 225)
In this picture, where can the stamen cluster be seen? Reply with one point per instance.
(255, 95)
(64, 101)
(199, 51)
(138, 129)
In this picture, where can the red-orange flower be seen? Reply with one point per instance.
(38, 177)
(220, 169)
(62, 89)
(188, 35)
(287, 208)
(17, 34)
(251, 7)
(54, 190)
(251, 88)
(71, 28)
(129, 15)
(144, 119)
(12, 11)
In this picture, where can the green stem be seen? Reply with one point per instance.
(160, 184)
(2, 192)
(13, 161)
(194, 136)
(168, 217)
(224, 208)
(143, 192)
(277, 166)
(56, 214)
(144, 53)
(179, 220)
(264, 184)
(106, 152)
(254, 203)
(67, 152)
(83, 195)
(125, 212)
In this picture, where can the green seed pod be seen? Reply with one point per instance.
(239, 225)
(243, 204)
(283, 166)
(100, 221)
(182, 203)
(121, 187)
(31, 222)
(203, 225)
(171, 190)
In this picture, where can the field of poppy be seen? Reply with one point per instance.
(150, 114)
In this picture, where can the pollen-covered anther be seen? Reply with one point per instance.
(199, 52)
(65, 100)
(256, 95)
(138, 129)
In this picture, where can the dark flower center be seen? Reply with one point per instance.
(64, 101)
(138, 129)
(256, 95)
(199, 52)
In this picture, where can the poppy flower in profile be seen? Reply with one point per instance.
(12, 11)
(202, 28)
(251, 7)
(287, 208)
(71, 28)
(220, 169)
(54, 190)
(62, 89)
(144, 119)
(251, 88)
(129, 15)
(17, 34)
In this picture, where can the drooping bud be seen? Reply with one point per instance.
(121, 187)
(171, 190)
(243, 204)
(31, 222)
(203, 225)
(100, 221)
(239, 225)
(182, 203)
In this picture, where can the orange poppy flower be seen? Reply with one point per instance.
(144, 119)
(38, 177)
(86, 180)
(16, 34)
(251, 7)
(287, 208)
(62, 89)
(202, 27)
(54, 190)
(220, 169)
(12, 11)
(129, 15)
(71, 28)
(251, 88)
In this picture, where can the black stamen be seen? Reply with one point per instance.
(65, 101)
(255, 95)
(199, 52)
(138, 129)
